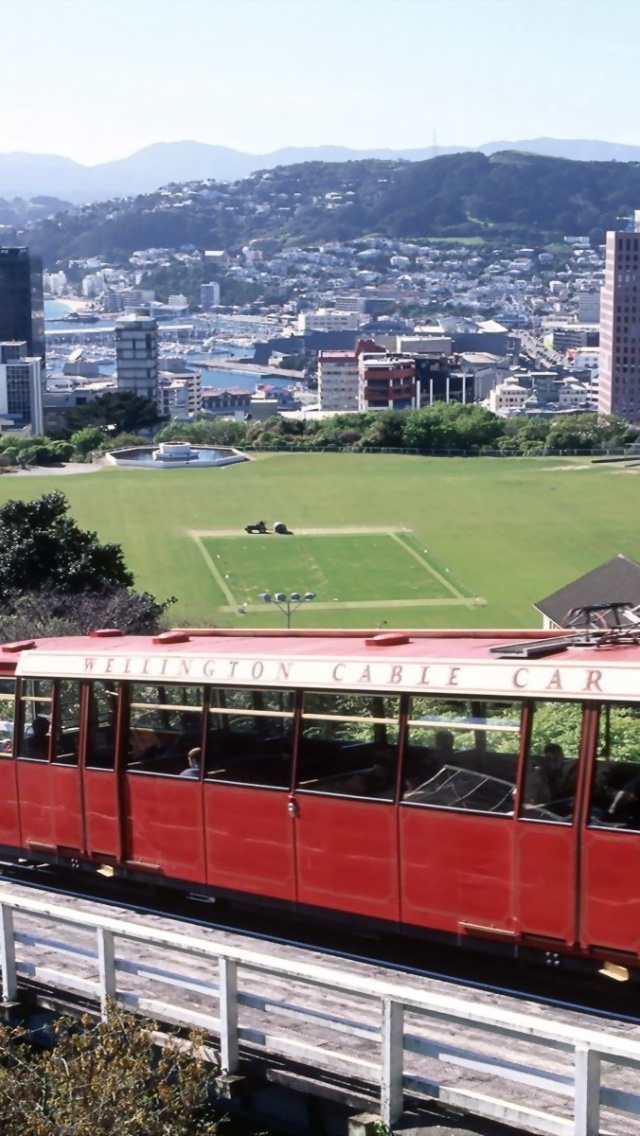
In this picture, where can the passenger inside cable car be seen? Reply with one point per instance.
(36, 741)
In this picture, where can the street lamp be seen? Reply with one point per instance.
(287, 603)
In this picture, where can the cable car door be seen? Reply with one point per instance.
(610, 871)
(9, 811)
(456, 815)
(346, 820)
(547, 832)
(162, 829)
(48, 768)
(99, 782)
(249, 826)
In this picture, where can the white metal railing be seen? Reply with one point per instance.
(402, 1022)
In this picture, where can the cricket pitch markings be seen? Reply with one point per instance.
(458, 599)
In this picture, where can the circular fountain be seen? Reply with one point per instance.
(175, 452)
(174, 455)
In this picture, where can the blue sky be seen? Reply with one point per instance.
(98, 79)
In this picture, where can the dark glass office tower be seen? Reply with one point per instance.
(21, 303)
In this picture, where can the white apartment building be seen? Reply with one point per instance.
(328, 319)
(574, 394)
(54, 282)
(337, 380)
(508, 398)
(588, 359)
(589, 307)
(179, 394)
(93, 285)
(179, 305)
(21, 386)
(137, 355)
(210, 295)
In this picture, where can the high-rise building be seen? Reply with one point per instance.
(338, 380)
(180, 393)
(619, 378)
(210, 295)
(21, 386)
(137, 355)
(21, 302)
(387, 382)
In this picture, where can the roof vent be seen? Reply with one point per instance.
(387, 640)
(106, 633)
(533, 648)
(23, 645)
(170, 637)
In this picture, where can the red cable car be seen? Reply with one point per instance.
(481, 787)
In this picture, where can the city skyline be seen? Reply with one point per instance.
(112, 77)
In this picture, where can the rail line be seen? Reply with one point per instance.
(320, 938)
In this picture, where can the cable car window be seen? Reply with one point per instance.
(7, 715)
(250, 737)
(615, 789)
(101, 731)
(551, 767)
(348, 745)
(462, 754)
(165, 726)
(67, 732)
(34, 731)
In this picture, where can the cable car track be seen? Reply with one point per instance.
(606, 1003)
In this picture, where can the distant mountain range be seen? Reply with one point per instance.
(525, 199)
(32, 175)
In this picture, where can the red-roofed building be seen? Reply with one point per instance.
(386, 382)
(338, 375)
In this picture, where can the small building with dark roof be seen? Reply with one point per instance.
(617, 581)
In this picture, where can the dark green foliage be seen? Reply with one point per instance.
(125, 411)
(439, 428)
(41, 545)
(86, 440)
(52, 612)
(205, 431)
(453, 426)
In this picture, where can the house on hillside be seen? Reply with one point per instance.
(616, 581)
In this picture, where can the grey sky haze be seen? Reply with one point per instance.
(98, 79)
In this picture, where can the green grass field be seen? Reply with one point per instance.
(412, 542)
(365, 569)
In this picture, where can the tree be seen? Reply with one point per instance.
(40, 544)
(124, 410)
(88, 439)
(49, 612)
(99, 1079)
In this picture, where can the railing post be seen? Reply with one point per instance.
(391, 1095)
(228, 972)
(106, 969)
(586, 1091)
(8, 955)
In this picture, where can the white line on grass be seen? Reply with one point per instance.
(219, 579)
(348, 530)
(425, 564)
(338, 605)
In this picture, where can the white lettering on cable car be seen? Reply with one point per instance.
(491, 677)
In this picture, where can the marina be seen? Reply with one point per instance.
(82, 344)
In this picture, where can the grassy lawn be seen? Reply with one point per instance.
(371, 566)
(506, 531)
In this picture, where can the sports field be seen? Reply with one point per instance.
(382, 540)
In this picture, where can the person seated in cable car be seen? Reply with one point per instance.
(546, 776)
(36, 742)
(624, 810)
(194, 757)
(443, 746)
